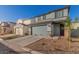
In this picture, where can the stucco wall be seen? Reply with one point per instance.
(21, 29)
(65, 12)
(50, 15)
(26, 22)
(26, 30)
(19, 21)
(52, 29)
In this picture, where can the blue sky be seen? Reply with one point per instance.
(14, 12)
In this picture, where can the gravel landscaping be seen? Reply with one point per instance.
(46, 46)
(50, 46)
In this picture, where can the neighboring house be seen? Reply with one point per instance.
(21, 27)
(6, 28)
(23, 21)
(75, 29)
(51, 23)
(12, 24)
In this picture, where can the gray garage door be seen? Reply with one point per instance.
(39, 30)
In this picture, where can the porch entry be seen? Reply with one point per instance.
(58, 30)
(61, 29)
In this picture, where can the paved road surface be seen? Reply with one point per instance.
(6, 50)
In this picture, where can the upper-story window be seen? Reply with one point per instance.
(44, 17)
(59, 14)
(33, 20)
(39, 18)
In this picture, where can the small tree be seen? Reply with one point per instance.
(68, 22)
(68, 25)
(76, 21)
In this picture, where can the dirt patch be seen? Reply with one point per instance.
(62, 44)
(49, 45)
(55, 46)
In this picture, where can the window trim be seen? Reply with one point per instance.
(44, 17)
(58, 13)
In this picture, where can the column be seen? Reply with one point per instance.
(49, 26)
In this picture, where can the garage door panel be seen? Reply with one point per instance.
(39, 30)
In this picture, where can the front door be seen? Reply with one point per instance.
(56, 29)
(61, 30)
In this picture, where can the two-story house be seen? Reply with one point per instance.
(51, 23)
(6, 27)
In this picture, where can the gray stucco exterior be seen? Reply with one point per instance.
(49, 23)
(51, 15)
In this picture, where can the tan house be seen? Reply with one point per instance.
(12, 24)
(23, 21)
(21, 27)
(6, 27)
(75, 29)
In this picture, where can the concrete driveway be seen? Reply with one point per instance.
(19, 43)
(26, 40)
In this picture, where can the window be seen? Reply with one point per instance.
(33, 20)
(59, 14)
(4, 29)
(39, 18)
(44, 17)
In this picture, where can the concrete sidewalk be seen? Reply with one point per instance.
(7, 35)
